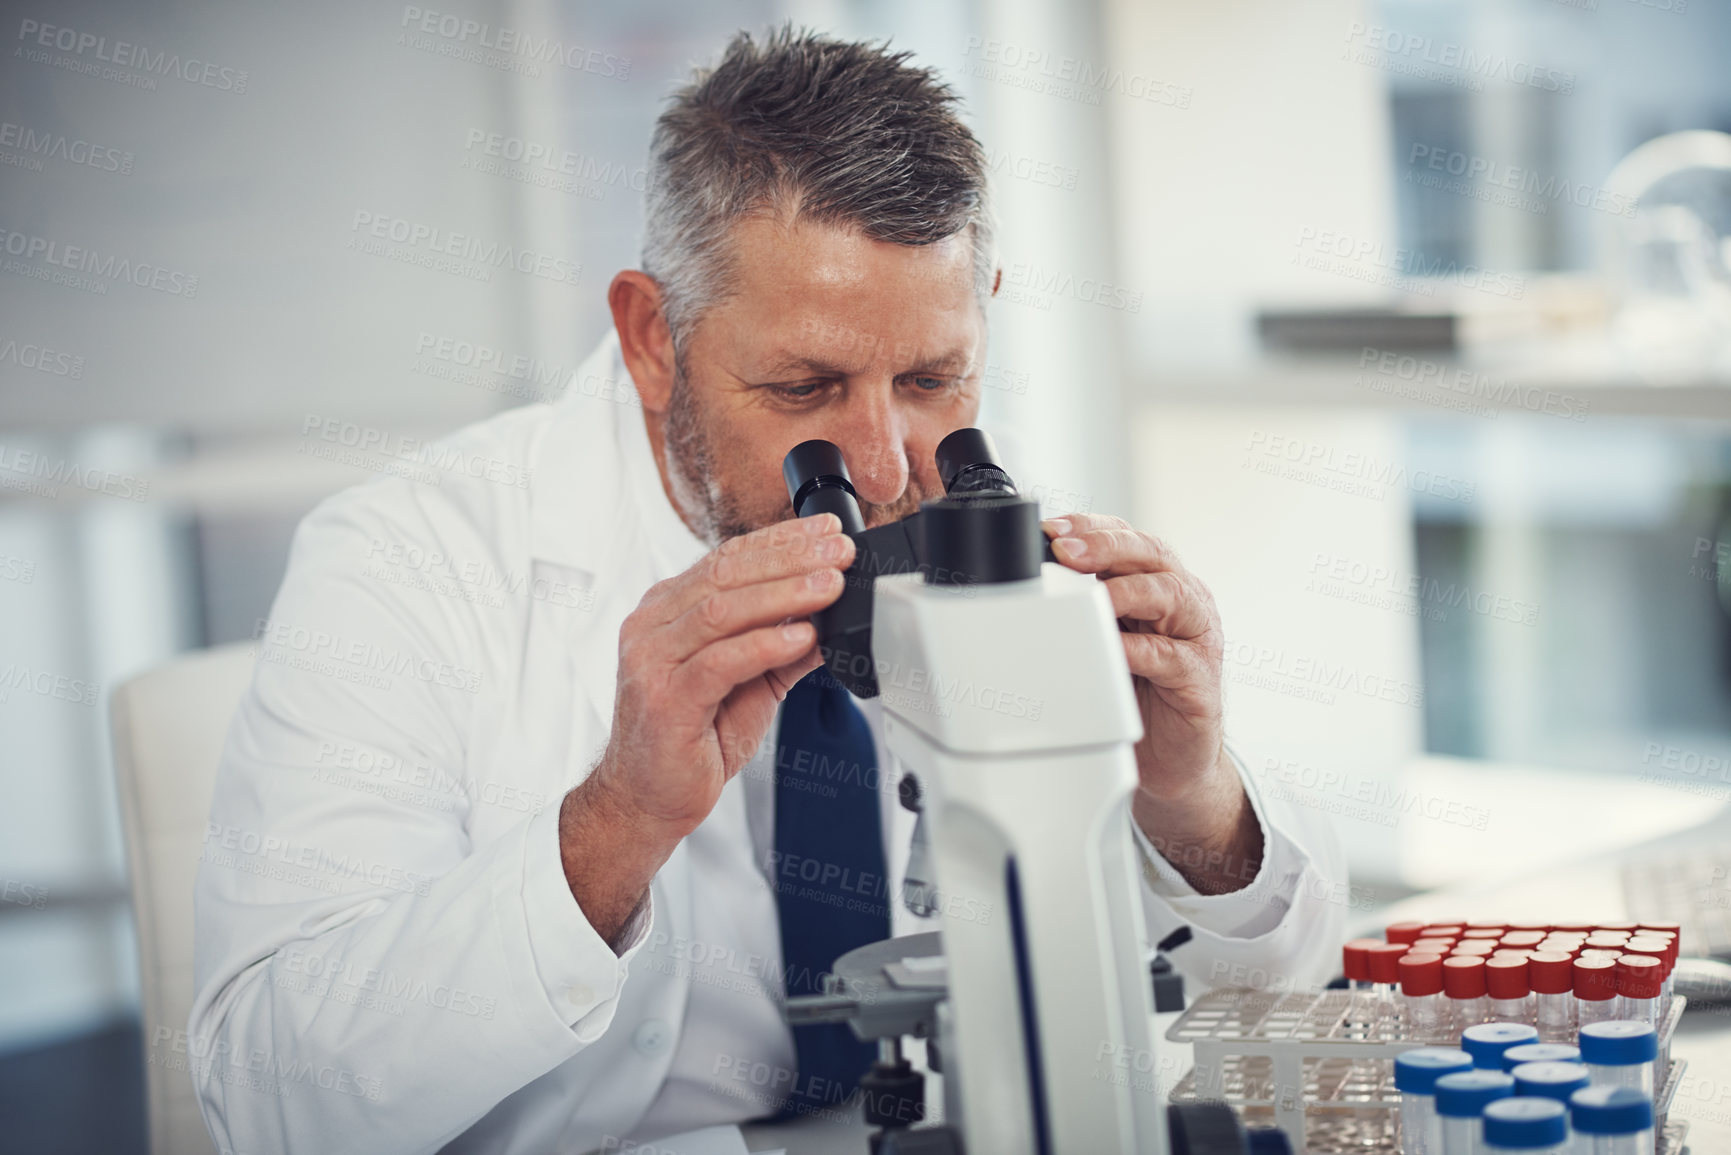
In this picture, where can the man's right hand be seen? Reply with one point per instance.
(703, 661)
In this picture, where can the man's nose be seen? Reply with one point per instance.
(874, 444)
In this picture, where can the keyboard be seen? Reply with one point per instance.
(1690, 888)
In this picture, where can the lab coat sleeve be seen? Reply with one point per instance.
(366, 978)
(1281, 931)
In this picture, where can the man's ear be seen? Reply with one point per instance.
(644, 339)
(997, 279)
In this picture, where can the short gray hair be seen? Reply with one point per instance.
(843, 133)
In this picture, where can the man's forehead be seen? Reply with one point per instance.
(833, 345)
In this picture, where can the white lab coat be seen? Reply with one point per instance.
(388, 958)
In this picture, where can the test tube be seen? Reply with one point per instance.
(1405, 933)
(1415, 1076)
(1640, 981)
(1620, 1054)
(1361, 1006)
(1540, 1053)
(1663, 949)
(1464, 991)
(1550, 1080)
(1612, 1121)
(1526, 1124)
(1506, 984)
(1487, 1042)
(1461, 1100)
(1385, 978)
(1421, 985)
(1595, 990)
(1551, 974)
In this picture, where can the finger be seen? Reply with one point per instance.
(726, 612)
(1111, 550)
(787, 547)
(1175, 665)
(711, 673)
(1166, 601)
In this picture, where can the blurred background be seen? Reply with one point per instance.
(1407, 322)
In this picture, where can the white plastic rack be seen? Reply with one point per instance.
(1322, 1070)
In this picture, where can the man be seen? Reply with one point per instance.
(508, 845)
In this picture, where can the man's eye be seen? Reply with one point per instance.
(932, 384)
(799, 392)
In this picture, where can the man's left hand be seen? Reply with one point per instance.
(1190, 803)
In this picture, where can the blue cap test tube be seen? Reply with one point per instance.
(1487, 1042)
(1415, 1076)
(1461, 1100)
(1620, 1054)
(1526, 1125)
(1612, 1121)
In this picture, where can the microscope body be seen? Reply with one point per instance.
(1012, 703)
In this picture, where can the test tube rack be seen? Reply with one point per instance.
(1301, 1062)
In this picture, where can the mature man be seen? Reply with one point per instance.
(499, 855)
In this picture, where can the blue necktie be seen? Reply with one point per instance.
(827, 869)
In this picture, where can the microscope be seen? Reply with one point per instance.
(1008, 700)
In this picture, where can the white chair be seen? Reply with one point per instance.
(169, 726)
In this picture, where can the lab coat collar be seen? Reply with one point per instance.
(595, 475)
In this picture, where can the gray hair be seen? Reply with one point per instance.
(841, 133)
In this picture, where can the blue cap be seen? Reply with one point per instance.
(1487, 1042)
(1611, 1111)
(1549, 1080)
(1523, 1122)
(1618, 1044)
(1540, 1053)
(1416, 1072)
(1466, 1094)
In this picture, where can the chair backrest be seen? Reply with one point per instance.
(169, 727)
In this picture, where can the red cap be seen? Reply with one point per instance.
(1356, 959)
(1541, 927)
(1663, 949)
(1506, 952)
(1434, 945)
(1573, 927)
(1489, 933)
(1385, 961)
(1443, 930)
(1506, 978)
(1487, 924)
(1421, 974)
(1614, 926)
(1673, 928)
(1474, 946)
(1551, 972)
(1403, 931)
(1464, 976)
(1523, 939)
(1607, 938)
(1595, 979)
(1640, 977)
(1612, 953)
(1563, 943)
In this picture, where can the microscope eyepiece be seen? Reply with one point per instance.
(817, 482)
(968, 463)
